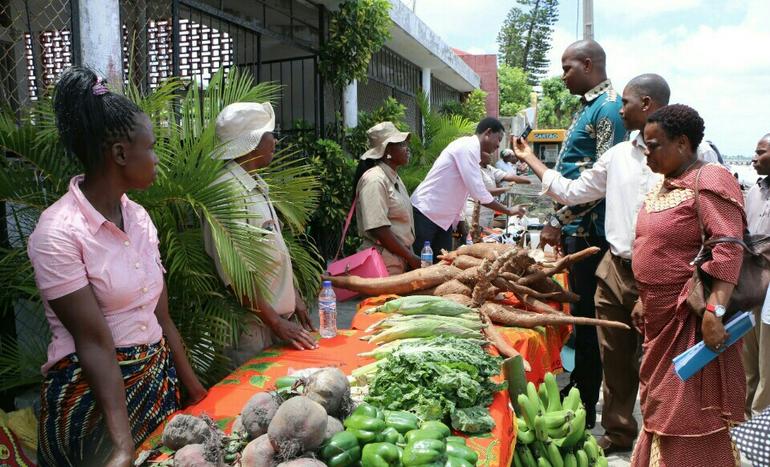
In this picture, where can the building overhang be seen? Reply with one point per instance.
(415, 41)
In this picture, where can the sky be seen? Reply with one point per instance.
(714, 55)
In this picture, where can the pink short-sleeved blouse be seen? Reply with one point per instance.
(74, 246)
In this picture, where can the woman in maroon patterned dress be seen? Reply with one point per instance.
(685, 423)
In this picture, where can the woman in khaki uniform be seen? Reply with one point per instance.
(383, 208)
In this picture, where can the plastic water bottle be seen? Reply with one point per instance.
(468, 239)
(426, 256)
(327, 310)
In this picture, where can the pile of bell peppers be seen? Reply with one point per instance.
(376, 438)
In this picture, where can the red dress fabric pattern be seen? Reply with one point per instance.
(667, 239)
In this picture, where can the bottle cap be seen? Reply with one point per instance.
(327, 283)
(427, 243)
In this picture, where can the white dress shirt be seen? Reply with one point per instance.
(455, 174)
(621, 175)
(758, 207)
(506, 166)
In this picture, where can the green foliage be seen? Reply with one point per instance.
(525, 37)
(335, 170)
(185, 194)
(434, 378)
(556, 107)
(391, 110)
(515, 89)
(474, 107)
(357, 30)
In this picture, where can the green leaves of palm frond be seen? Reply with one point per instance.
(307, 264)
(294, 189)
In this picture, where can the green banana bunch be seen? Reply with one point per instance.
(570, 460)
(592, 449)
(582, 458)
(552, 393)
(529, 409)
(577, 428)
(554, 456)
(572, 401)
(525, 455)
(543, 462)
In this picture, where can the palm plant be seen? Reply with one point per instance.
(186, 194)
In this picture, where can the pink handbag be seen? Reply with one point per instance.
(365, 263)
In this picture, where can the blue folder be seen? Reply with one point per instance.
(696, 357)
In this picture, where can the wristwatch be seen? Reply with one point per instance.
(718, 310)
(553, 221)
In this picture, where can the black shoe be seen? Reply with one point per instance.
(563, 393)
(590, 417)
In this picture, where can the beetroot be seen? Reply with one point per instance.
(302, 462)
(258, 453)
(298, 426)
(183, 430)
(330, 388)
(194, 455)
(333, 426)
(258, 412)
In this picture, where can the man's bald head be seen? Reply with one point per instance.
(588, 49)
(583, 65)
(652, 85)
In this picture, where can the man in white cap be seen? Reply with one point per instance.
(245, 129)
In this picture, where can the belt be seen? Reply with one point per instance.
(626, 263)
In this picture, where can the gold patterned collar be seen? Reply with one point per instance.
(598, 90)
(676, 195)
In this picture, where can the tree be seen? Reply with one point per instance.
(474, 107)
(525, 37)
(514, 89)
(557, 105)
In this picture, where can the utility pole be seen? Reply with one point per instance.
(414, 5)
(588, 19)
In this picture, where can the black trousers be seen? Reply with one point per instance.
(587, 375)
(426, 231)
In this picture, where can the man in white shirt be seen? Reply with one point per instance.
(622, 176)
(439, 199)
(756, 343)
(506, 161)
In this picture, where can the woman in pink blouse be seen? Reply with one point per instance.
(115, 356)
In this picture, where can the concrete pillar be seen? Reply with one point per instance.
(100, 39)
(350, 104)
(426, 83)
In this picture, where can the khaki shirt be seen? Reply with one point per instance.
(382, 200)
(282, 278)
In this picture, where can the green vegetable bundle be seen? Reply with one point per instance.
(552, 432)
(440, 378)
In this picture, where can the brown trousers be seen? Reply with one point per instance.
(621, 350)
(756, 363)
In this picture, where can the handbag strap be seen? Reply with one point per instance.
(708, 244)
(347, 226)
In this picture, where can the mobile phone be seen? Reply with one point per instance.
(526, 132)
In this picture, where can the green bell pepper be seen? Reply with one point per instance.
(392, 436)
(380, 455)
(456, 440)
(341, 450)
(424, 452)
(368, 411)
(462, 451)
(457, 462)
(401, 420)
(422, 433)
(436, 425)
(366, 429)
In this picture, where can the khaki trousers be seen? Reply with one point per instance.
(756, 363)
(620, 349)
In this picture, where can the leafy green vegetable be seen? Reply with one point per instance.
(472, 420)
(436, 378)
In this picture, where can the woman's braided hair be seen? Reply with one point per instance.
(677, 120)
(89, 117)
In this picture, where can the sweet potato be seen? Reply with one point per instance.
(465, 262)
(461, 299)
(510, 316)
(479, 250)
(452, 287)
(399, 284)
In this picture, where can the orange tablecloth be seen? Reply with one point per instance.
(541, 347)
(226, 399)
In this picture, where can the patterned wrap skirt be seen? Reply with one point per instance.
(72, 431)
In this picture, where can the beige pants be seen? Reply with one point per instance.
(756, 363)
